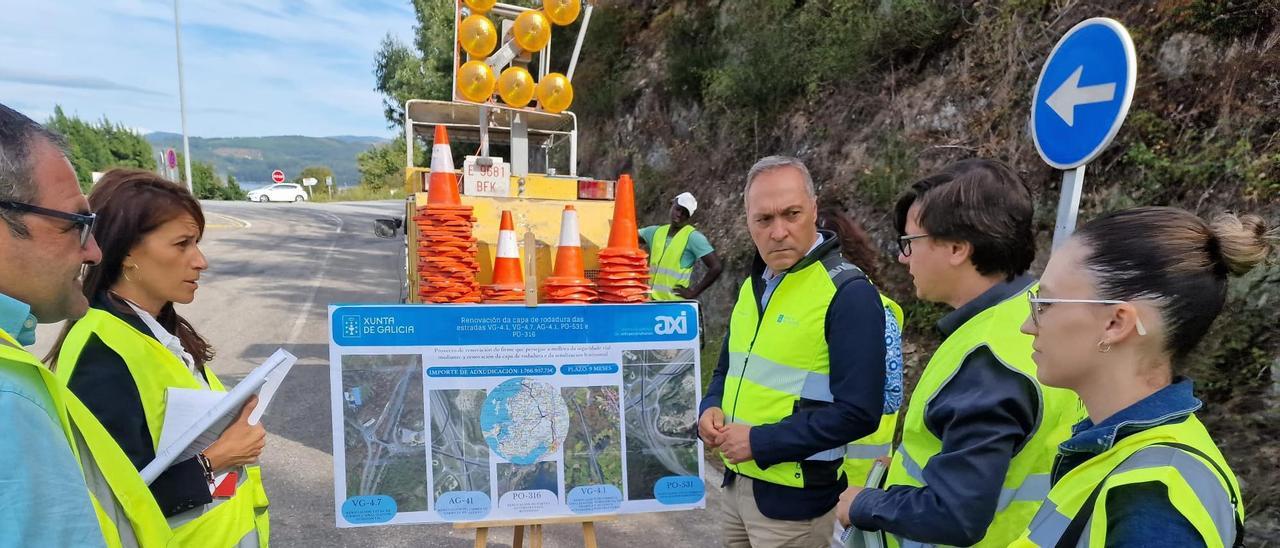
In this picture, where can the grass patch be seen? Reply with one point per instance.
(358, 193)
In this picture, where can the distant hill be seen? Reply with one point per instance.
(252, 159)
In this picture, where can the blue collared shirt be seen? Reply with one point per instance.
(1138, 514)
(16, 320)
(45, 501)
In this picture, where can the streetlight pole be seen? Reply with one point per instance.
(182, 98)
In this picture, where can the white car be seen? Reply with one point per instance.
(283, 192)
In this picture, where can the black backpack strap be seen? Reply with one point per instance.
(1071, 535)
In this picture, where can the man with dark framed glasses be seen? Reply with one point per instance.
(980, 432)
(82, 221)
(53, 495)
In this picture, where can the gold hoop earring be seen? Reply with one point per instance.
(125, 272)
(1104, 347)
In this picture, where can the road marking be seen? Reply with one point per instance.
(232, 222)
(301, 319)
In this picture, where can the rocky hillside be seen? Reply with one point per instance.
(872, 94)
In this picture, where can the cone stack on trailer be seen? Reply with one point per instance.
(508, 281)
(624, 267)
(568, 282)
(447, 263)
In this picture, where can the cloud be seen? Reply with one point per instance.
(70, 82)
(251, 67)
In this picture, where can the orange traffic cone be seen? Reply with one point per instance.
(508, 281)
(624, 267)
(443, 188)
(447, 263)
(569, 283)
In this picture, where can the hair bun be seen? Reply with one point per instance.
(1243, 242)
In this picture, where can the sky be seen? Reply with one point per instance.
(251, 67)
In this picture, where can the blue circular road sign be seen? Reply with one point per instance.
(1083, 92)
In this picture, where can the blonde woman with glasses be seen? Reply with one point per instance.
(1120, 308)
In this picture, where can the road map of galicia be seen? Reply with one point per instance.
(523, 419)
(446, 413)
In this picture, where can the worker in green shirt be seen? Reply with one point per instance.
(674, 249)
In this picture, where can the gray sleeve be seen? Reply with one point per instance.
(983, 416)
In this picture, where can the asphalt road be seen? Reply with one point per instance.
(273, 271)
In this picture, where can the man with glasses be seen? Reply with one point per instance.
(52, 495)
(980, 433)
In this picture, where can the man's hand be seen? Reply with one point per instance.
(711, 426)
(735, 443)
(685, 293)
(846, 502)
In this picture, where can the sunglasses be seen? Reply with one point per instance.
(84, 222)
(1038, 306)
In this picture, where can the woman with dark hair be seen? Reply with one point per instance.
(855, 244)
(132, 346)
(1120, 307)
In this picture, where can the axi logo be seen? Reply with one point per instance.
(667, 325)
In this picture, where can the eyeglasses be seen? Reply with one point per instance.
(904, 243)
(1038, 306)
(78, 220)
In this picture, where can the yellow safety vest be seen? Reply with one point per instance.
(127, 514)
(1027, 480)
(665, 271)
(779, 356)
(1181, 456)
(231, 522)
(860, 456)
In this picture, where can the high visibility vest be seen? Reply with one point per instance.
(1027, 480)
(779, 357)
(241, 520)
(1182, 456)
(126, 512)
(665, 271)
(860, 455)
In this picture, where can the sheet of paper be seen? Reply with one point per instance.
(183, 408)
(198, 420)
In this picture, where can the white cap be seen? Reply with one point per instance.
(688, 202)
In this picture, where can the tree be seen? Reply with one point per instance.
(382, 167)
(100, 146)
(233, 191)
(207, 184)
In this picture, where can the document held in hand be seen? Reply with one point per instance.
(853, 537)
(194, 419)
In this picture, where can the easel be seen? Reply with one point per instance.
(535, 529)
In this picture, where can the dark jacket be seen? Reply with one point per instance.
(855, 339)
(103, 382)
(983, 416)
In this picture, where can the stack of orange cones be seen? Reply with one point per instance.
(508, 281)
(568, 282)
(447, 263)
(624, 267)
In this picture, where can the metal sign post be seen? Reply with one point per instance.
(1079, 102)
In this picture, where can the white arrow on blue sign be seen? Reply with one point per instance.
(1083, 93)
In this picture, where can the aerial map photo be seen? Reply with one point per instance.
(459, 454)
(660, 389)
(593, 447)
(384, 428)
(516, 477)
